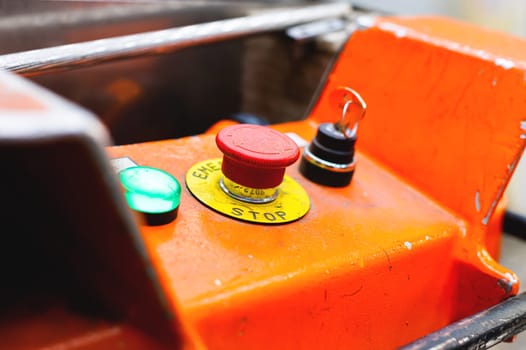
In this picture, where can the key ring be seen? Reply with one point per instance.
(350, 97)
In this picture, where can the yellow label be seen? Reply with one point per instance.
(291, 203)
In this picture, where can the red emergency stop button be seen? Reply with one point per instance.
(255, 156)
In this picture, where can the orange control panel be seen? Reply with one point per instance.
(373, 222)
(402, 247)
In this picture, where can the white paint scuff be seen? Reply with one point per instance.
(401, 31)
(477, 201)
(504, 63)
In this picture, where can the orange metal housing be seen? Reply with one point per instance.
(400, 252)
(404, 250)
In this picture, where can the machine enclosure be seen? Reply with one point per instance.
(407, 248)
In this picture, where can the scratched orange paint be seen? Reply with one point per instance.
(399, 253)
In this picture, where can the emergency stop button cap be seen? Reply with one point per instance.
(255, 156)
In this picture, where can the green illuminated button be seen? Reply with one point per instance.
(152, 192)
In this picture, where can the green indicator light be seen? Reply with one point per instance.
(152, 192)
